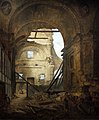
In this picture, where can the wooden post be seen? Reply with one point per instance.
(27, 95)
(13, 81)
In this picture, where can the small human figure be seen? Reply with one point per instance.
(21, 88)
(7, 99)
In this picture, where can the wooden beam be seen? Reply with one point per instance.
(45, 31)
(37, 38)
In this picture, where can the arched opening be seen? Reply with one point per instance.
(35, 16)
(38, 59)
(58, 43)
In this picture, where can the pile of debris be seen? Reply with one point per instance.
(40, 105)
(53, 106)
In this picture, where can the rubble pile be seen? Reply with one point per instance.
(39, 106)
(54, 106)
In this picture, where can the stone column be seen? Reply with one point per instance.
(13, 80)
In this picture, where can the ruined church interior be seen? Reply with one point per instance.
(49, 59)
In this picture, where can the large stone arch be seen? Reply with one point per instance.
(56, 15)
(43, 14)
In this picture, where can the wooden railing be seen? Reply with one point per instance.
(57, 79)
(28, 83)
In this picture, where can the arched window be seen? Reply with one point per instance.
(29, 54)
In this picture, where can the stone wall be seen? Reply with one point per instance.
(78, 59)
(44, 60)
(35, 66)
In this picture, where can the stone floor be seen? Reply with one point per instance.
(42, 107)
